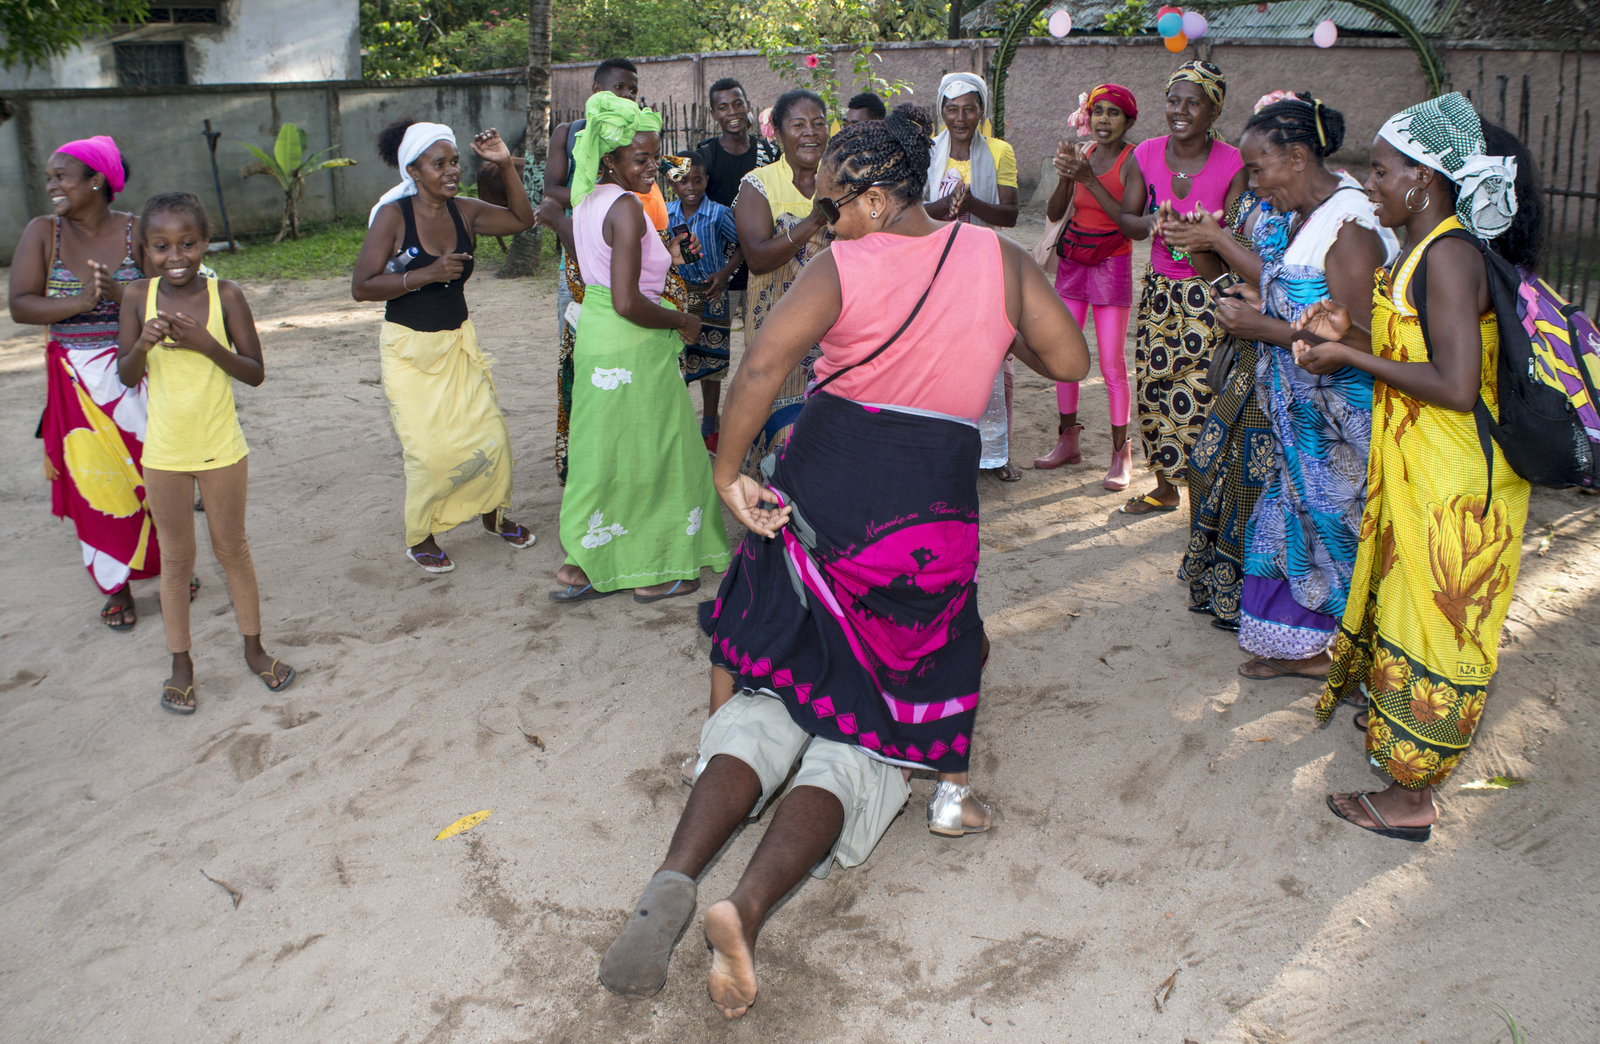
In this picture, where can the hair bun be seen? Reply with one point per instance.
(911, 127)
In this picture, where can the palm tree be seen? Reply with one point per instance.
(524, 256)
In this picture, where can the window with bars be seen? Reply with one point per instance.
(151, 65)
(189, 13)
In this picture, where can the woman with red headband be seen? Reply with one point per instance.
(1096, 267)
(68, 275)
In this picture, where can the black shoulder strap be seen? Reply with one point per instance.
(841, 371)
(1480, 409)
(463, 237)
(572, 143)
(410, 218)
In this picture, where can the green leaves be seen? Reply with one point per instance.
(34, 31)
(291, 166)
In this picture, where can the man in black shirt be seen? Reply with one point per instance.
(728, 158)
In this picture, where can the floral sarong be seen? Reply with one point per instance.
(862, 616)
(1438, 561)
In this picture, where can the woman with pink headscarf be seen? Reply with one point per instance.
(68, 275)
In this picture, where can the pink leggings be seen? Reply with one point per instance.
(1110, 335)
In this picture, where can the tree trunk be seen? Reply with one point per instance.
(955, 19)
(524, 256)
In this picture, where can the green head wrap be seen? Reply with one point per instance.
(610, 123)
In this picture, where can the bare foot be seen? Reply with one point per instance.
(1263, 668)
(732, 982)
(572, 576)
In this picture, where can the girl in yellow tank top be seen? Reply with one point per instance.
(193, 437)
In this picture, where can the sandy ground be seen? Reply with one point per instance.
(1162, 819)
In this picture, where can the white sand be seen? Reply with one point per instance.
(1159, 814)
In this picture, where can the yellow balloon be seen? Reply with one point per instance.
(1177, 43)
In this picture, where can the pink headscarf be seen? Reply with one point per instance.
(101, 155)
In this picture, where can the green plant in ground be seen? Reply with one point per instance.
(478, 46)
(291, 166)
(33, 32)
(1518, 1034)
(1128, 20)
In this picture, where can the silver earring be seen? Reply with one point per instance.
(1425, 200)
(874, 213)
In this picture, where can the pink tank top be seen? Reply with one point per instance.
(594, 256)
(1209, 189)
(946, 360)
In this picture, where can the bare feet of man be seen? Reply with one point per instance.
(732, 982)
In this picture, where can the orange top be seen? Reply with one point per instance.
(1088, 214)
(946, 360)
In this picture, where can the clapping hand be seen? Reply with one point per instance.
(1326, 318)
(1193, 232)
(1071, 163)
(959, 199)
(745, 497)
(1321, 358)
(100, 287)
(186, 333)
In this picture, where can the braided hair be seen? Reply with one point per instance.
(892, 152)
(1301, 120)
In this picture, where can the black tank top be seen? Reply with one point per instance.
(437, 306)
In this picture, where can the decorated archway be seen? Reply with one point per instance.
(1017, 31)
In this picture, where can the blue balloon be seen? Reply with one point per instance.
(1170, 24)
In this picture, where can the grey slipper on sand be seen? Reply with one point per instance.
(636, 964)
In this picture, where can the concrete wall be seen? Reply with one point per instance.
(253, 42)
(167, 152)
(1367, 80)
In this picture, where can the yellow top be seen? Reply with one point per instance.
(193, 425)
(1005, 164)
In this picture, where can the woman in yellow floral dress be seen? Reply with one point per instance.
(1442, 531)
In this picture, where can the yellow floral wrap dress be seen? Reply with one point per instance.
(1437, 563)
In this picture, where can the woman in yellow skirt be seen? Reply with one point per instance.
(1442, 531)
(418, 257)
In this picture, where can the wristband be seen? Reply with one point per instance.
(403, 277)
(787, 236)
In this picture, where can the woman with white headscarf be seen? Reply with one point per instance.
(1441, 536)
(417, 256)
(972, 176)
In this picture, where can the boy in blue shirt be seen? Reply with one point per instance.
(707, 281)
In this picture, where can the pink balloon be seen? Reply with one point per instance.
(1326, 34)
(1060, 23)
(1194, 25)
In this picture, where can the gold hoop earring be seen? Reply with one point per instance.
(1425, 200)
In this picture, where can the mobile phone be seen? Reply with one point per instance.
(690, 256)
(1224, 281)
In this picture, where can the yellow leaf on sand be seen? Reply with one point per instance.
(463, 824)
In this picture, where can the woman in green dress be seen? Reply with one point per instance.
(639, 511)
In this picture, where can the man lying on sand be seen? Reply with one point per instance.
(838, 807)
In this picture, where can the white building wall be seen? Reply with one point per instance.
(260, 41)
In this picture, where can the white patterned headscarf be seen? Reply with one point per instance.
(1446, 134)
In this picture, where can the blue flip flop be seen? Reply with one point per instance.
(671, 592)
(586, 593)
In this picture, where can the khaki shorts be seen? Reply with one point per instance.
(756, 728)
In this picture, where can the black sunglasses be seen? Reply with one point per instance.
(830, 208)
